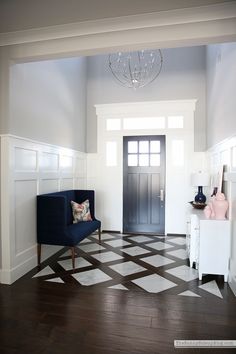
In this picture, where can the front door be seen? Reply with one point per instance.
(144, 184)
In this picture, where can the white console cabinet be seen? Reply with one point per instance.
(208, 244)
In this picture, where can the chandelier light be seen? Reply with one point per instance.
(136, 69)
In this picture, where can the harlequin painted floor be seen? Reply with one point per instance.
(154, 264)
(129, 295)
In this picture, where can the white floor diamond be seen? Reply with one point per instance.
(184, 272)
(117, 243)
(79, 263)
(140, 238)
(91, 247)
(159, 246)
(177, 240)
(107, 257)
(127, 268)
(189, 293)
(181, 253)
(66, 254)
(46, 271)
(103, 237)
(86, 240)
(157, 260)
(91, 277)
(135, 251)
(55, 280)
(211, 287)
(118, 286)
(154, 283)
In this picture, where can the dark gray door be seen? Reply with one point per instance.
(144, 184)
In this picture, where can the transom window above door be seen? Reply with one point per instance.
(144, 153)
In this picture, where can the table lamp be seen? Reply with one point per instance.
(200, 180)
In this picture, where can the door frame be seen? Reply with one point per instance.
(178, 189)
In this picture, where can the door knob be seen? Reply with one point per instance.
(161, 196)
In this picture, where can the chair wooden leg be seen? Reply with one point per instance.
(73, 256)
(99, 234)
(39, 253)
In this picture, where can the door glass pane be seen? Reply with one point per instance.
(144, 147)
(155, 146)
(132, 160)
(132, 147)
(144, 160)
(144, 123)
(155, 160)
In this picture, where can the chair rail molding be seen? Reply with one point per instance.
(30, 168)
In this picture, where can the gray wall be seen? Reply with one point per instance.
(182, 77)
(221, 92)
(48, 102)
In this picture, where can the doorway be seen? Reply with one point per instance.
(144, 184)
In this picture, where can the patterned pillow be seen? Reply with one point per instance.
(81, 212)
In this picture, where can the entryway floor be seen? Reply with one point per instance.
(130, 295)
(155, 264)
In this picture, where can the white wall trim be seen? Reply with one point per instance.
(158, 19)
(143, 108)
(30, 168)
(39, 142)
(104, 177)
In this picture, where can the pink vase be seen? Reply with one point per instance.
(210, 204)
(220, 206)
(207, 212)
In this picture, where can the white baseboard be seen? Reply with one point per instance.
(9, 276)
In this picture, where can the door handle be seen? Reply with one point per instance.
(161, 196)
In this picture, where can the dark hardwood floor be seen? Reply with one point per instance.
(42, 317)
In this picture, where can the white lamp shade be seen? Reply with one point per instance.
(200, 179)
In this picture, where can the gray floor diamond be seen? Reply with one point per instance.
(135, 251)
(127, 268)
(157, 260)
(91, 277)
(159, 246)
(154, 283)
(212, 288)
(79, 263)
(184, 272)
(107, 257)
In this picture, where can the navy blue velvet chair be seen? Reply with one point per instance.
(55, 220)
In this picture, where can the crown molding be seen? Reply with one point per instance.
(146, 108)
(125, 23)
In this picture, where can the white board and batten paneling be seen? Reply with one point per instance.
(224, 154)
(30, 168)
(175, 120)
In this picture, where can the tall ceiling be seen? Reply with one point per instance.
(18, 15)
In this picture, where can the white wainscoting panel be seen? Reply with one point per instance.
(48, 185)
(25, 159)
(49, 162)
(25, 214)
(224, 154)
(30, 168)
(66, 183)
